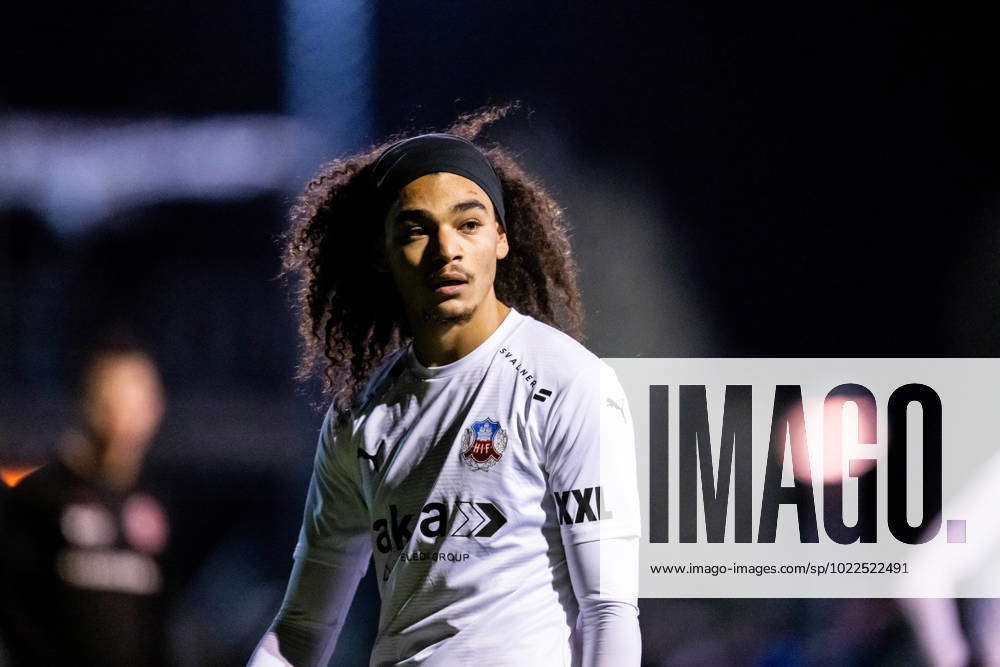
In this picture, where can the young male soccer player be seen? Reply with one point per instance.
(481, 455)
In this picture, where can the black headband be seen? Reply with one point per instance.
(408, 160)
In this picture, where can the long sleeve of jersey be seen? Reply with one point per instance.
(331, 556)
(591, 468)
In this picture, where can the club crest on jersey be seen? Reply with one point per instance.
(483, 444)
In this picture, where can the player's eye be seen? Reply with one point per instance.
(471, 225)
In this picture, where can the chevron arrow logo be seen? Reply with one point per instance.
(474, 519)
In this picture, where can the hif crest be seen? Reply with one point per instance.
(483, 444)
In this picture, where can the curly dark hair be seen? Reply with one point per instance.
(350, 326)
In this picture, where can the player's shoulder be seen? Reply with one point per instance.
(559, 359)
(382, 378)
(339, 424)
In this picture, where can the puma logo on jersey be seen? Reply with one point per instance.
(580, 505)
(377, 459)
(466, 518)
(617, 405)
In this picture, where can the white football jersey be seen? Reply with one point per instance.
(464, 481)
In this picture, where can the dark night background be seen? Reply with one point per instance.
(796, 179)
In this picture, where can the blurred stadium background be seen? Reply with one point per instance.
(791, 180)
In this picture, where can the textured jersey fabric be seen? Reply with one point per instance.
(466, 483)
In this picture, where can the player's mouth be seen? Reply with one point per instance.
(448, 283)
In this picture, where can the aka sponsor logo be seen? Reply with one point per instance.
(580, 506)
(465, 518)
(483, 444)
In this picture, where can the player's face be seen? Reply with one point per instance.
(442, 246)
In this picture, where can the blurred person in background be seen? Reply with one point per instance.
(463, 445)
(83, 540)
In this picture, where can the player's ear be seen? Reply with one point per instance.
(502, 246)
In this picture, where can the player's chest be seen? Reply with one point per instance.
(452, 444)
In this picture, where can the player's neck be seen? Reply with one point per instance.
(440, 344)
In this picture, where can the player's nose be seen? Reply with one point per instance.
(448, 243)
